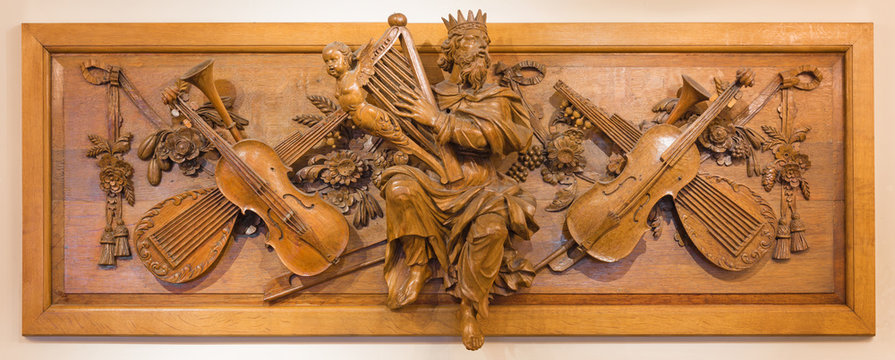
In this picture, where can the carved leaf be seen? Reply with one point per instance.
(799, 135)
(99, 141)
(123, 144)
(754, 137)
(309, 173)
(308, 119)
(773, 133)
(323, 103)
(563, 198)
(95, 151)
(129, 193)
(806, 190)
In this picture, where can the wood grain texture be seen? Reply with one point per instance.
(848, 257)
(626, 84)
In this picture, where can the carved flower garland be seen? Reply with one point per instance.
(341, 177)
(789, 164)
(116, 180)
(565, 156)
(115, 174)
(341, 168)
(182, 146)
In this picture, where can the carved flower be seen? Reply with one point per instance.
(784, 152)
(565, 152)
(191, 167)
(616, 164)
(115, 174)
(791, 174)
(182, 145)
(341, 198)
(802, 160)
(718, 136)
(342, 168)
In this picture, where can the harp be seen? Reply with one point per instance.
(397, 68)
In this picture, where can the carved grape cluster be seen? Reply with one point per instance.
(527, 160)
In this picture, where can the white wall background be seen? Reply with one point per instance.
(14, 346)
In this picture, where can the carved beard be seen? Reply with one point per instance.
(474, 67)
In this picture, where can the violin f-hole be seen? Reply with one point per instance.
(309, 207)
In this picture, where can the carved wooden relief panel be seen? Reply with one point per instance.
(433, 179)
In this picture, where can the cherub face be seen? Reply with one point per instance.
(336, 62)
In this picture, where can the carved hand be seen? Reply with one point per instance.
(417, 109)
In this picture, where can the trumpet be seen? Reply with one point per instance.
(690, 94)
(202, 77)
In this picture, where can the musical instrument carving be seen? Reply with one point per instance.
(307, 233)
(739, 199)
(690, 94)
(662, 162)
(158, 226)
(396, 71)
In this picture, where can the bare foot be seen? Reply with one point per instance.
(409, 291)
(473, 338)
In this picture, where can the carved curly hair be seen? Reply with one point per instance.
(344, 49)
(448, 48)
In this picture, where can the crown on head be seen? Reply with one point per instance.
(460, 23)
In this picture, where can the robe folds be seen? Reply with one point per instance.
(468, 226)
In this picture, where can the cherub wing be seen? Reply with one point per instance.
(364, 68)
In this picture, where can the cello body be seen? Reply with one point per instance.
(610, 218)
(305, 251)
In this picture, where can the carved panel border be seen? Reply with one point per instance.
(851, 312)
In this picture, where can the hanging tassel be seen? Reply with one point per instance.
(781, 251)
(108, 243)
(798, 233)
(121, 246)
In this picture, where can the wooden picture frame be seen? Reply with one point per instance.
(846, 311)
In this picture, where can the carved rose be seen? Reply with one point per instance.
(791, 174)
(182, 145)
(718, 136)
(802, 160)
(115, 177)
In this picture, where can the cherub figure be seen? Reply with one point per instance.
(352, 71)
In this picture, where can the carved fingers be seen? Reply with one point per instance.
(415, 108)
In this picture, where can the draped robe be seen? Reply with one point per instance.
(468, 226)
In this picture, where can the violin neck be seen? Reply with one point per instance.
(223, 146)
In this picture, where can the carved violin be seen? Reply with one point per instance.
(307, 233)
(609, 219)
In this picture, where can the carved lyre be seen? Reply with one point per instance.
(398, 70)
(728, 223)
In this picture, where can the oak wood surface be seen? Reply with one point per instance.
(841, 225)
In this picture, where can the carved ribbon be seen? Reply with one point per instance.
(115, 173)
(513, 77)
